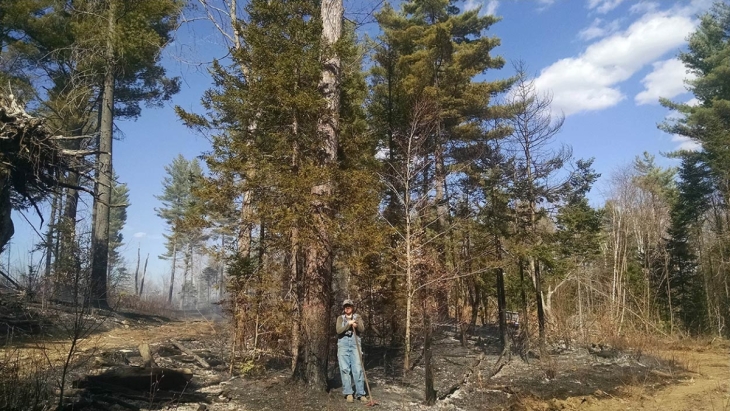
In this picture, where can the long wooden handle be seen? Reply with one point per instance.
(362, 364)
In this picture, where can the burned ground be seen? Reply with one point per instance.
(192, 371)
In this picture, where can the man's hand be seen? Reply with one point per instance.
(351, 323)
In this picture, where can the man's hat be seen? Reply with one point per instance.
(348, 302)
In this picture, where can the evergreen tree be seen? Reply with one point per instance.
(490, 176)
(289, 149)
(18, 50)
(576, 243)
(178, 199)
(431, 53)
(685, 288)
(535, 188)
(707, 123)
(128, 36)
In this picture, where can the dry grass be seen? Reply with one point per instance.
(25, 381)
(150, 306)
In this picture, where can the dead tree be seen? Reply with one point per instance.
(32, 162)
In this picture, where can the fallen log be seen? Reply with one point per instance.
(474, 367)
(148, 397)
(189, 352)
(140, 379)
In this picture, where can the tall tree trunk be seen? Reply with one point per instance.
(474, 299)
(67, 222)
(442, 214)
(144, 273)
(73, 179)
(409, 291)
(172, 272)
(318, 262)
(191, 250)
(50, 234)
(524, 323)
(185, 287)
(501, 296)
(103, 193)
(222, 268)
(430, 392)
(6, 222)
(244, 233)
(136, 272)
(295, 281)
(540, 310)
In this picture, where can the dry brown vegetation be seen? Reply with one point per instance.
(640, 372)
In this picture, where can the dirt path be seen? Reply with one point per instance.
(704, 385)
(44, 352)
(126, 337)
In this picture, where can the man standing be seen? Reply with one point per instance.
(349, 326)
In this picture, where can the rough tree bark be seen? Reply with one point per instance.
(318, 261)
(50, 234)
(103, 192)
(136, 272)
(172, 273)
(442, 215)
(501, 296)
(6, 222)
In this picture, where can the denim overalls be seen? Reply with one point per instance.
(349, 361)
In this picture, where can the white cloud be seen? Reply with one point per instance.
(489, 9)
(644, 7)
(685, 143)
(598, 29)
(590, 81)
(140, 234)
(472, 5)
(603, 6)
(544, 4)
(666, 80)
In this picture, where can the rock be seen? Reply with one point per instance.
(168, 351)
(110, 358)
(146, 353)
(603, 350)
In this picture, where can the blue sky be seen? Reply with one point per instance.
(606, 63)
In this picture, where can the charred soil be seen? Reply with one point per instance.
(191, 370)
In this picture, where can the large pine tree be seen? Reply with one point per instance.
(707, 123)
(288, 151)
(178, 200)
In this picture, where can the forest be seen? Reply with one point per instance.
(409, 170)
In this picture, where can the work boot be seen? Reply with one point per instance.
(364, 398)
(350, 398)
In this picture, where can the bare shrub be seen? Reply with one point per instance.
(24, 382)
